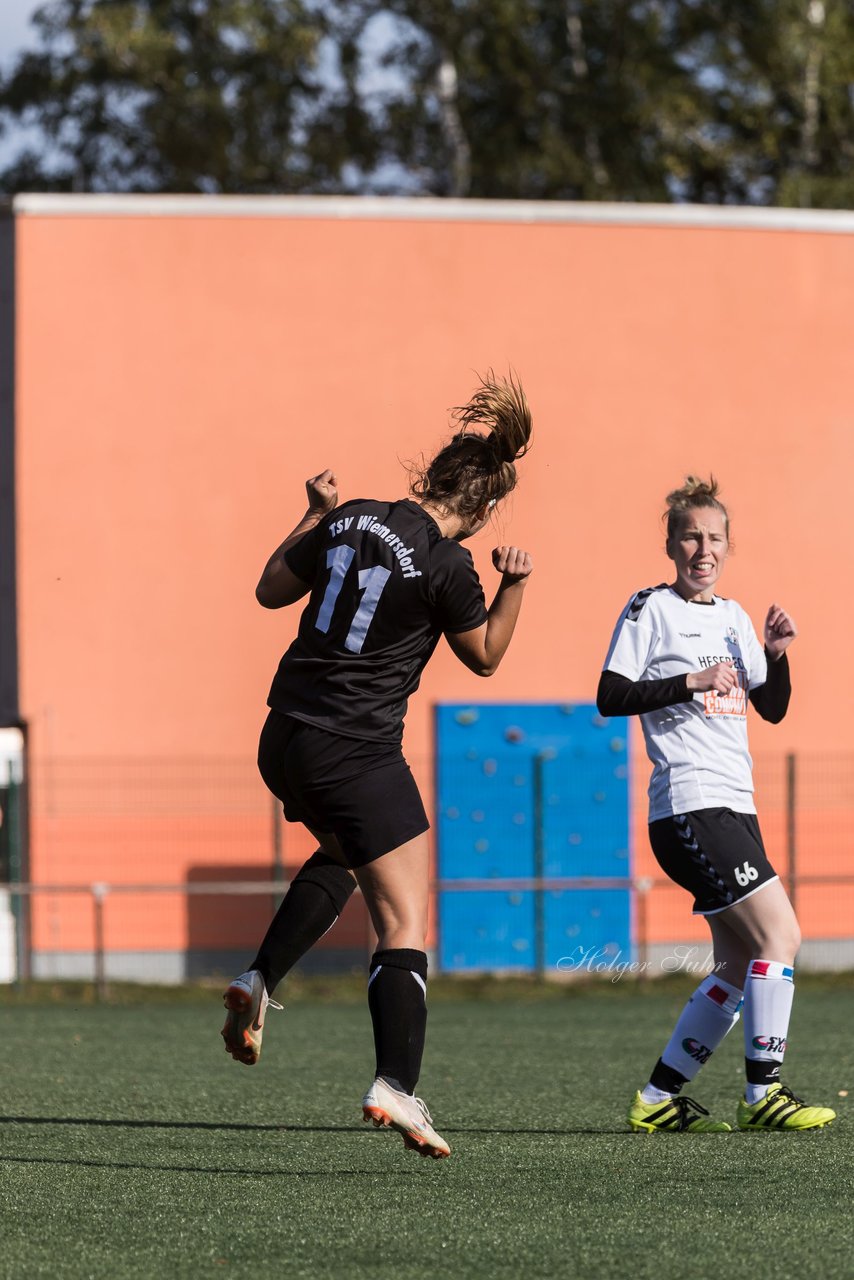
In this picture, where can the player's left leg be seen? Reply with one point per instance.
(290, 754)
(316, 897)
(764, 924)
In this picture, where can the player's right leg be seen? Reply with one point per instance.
(371, 802)
(710, 1014)
(396, 889)
(686, 847)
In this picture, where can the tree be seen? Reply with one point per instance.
(726, 101)
(777, 82)
(186, 95)
(538, 99)
(723, 101)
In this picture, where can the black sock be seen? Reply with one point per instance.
(397, 999)
(317, 896)
(668, 1079)
(762, 1072)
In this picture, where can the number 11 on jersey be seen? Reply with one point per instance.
(371, 582)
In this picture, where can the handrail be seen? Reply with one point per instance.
(99, 891)
(512, 884)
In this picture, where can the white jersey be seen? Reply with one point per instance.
(699, 748)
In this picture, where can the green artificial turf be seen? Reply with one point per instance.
(132, 1146)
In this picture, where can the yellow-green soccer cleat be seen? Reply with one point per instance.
(676, 1115)
(780, 1109)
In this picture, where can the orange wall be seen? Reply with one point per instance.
(179, 377)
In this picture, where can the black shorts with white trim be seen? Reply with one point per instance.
(716, 854)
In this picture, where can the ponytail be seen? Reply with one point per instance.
(475, 470)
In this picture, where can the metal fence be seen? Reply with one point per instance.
(165, 871)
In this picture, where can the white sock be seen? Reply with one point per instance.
(768, 995)
(650, 1094)
(710, 1014)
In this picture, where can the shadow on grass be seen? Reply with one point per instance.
(213, 1125)
(97, 1121)
(206, 1169)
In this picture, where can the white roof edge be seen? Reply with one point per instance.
(430, 209)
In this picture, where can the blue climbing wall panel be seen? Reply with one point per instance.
(521, 788)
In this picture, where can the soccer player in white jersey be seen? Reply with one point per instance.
(688, 662)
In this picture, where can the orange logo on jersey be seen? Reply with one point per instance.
(733, 703)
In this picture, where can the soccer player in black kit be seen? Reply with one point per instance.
(385, 581)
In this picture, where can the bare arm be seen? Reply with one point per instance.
(482, 649)
(278, 585)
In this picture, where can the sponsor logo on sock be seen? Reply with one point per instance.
(770, 1044)
(695, 1050)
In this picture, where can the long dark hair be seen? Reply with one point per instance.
(474, 470)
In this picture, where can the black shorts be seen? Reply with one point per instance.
(716, 854)
(360, 791)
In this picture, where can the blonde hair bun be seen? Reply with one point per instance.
(693, 495)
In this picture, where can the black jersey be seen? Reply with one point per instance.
(385, 585)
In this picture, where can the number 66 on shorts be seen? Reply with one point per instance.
(716, 854)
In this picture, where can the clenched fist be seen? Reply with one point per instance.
(516, 565)
(721, 678)
(780, 631)
(322, 492)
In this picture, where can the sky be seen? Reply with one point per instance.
(15, 33)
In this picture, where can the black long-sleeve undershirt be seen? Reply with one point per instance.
(771, 699)
(619, 696)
